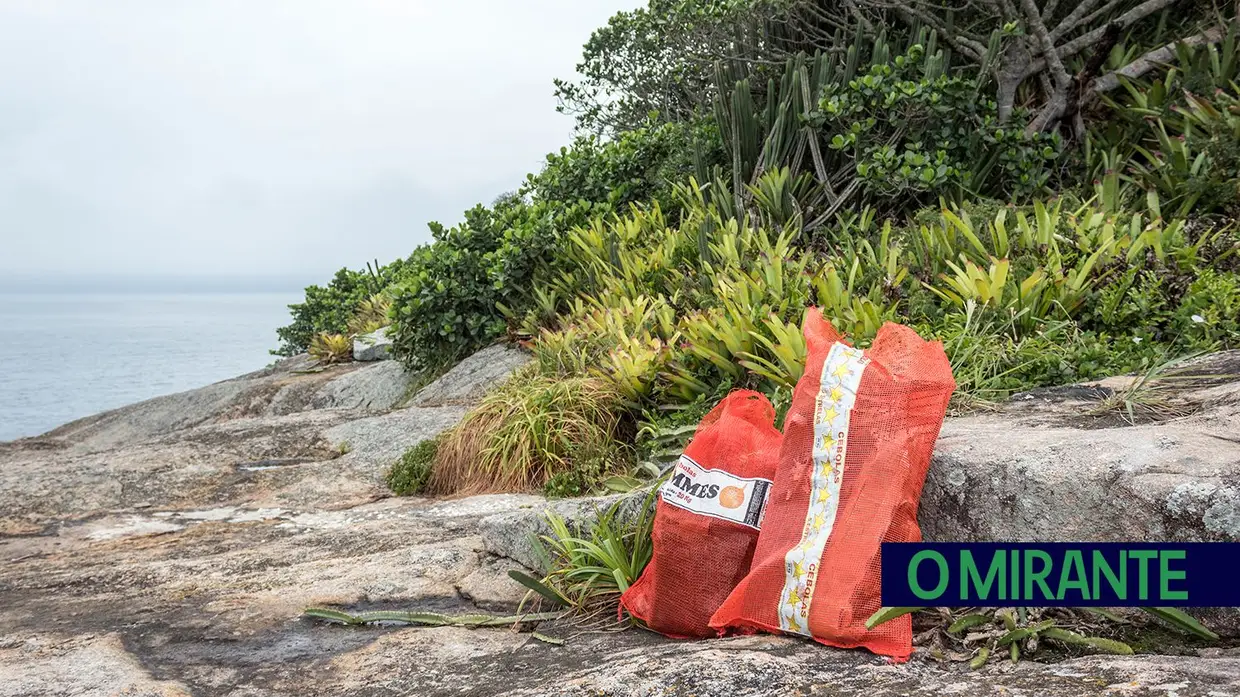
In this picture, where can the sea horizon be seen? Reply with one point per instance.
(67, 354)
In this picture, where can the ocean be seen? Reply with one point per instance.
(68, 355)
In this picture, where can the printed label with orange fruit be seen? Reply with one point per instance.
(716, 493)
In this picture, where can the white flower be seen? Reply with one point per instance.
(1198, 319)
(1136, 339)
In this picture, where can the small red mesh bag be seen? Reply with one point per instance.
(707, 518)
(857, 444)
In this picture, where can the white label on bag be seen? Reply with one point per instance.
(716, 493)
(837, 395)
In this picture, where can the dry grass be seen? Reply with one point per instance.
(532, 428)
(1153, 395)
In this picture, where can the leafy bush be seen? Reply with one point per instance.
(536, 431)
(1179, 134)
(330, 308)
(1022, 297)
(914, 131)
(1197, 166)
(410, 474)
(462, 291)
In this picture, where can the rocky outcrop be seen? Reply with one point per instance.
(515, 534)
(377, 388)
(176, 541)
(169, 547)
(472, 377)
(276, 437)
(1044, 468)
(375, 346)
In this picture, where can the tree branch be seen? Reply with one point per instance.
(1082, 80)
(855, 11)
(969, 47)
(1100, 12)
(1153, 59)
(1034, 18)
(1057, 101)
(1125, 20)
(1049, 10)
(1073, 18)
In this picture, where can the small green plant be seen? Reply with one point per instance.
(588, 570)
(331, 348)
(410, 474)
(980, 634)
(642, 474)
(330, 308)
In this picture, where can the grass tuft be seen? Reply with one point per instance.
(533, 431)
(1150, 395)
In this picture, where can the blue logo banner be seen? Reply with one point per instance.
(1061, 574)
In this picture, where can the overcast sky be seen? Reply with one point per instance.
(274, 137)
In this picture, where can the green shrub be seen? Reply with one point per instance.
(588, 570)
(1208, 317)
(916, 133)
(465, 289)
(1022, 297)
(330, 308)
(410, 474)
(1178, 134)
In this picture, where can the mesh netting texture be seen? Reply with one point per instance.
(707, 516)
(857, 445)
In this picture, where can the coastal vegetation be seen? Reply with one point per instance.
(1048, 188)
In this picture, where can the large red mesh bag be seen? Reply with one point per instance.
(857, 444)
(707, 518)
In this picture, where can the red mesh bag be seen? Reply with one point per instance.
(857, 445)
(707, 517)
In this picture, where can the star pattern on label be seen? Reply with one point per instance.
(793, 626)
(794, 598)
(837, 393)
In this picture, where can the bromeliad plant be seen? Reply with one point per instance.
(656, 314)
(666, 311)
(587, 570)
(331, 348)
(371, 314)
